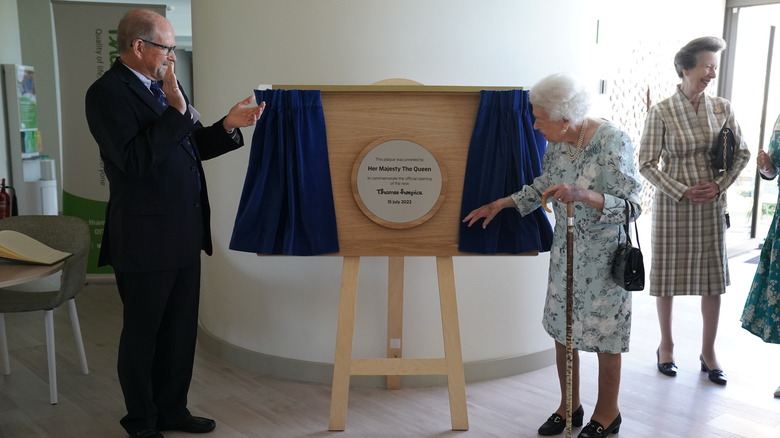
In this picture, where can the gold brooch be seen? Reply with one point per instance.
(717, 111)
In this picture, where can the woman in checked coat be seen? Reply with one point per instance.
(689, 215)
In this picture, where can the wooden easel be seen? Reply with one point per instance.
(442, 119)
(394, 365)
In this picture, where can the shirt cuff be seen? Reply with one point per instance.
(766, 177)
(233, 133)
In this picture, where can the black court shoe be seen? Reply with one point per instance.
(716, 376)
(557, 424)
(666, 368)
(594, 429)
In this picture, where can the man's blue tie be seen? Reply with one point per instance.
(160, 96)
(158, 93)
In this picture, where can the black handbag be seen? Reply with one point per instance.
(628, 269)
(723, 150)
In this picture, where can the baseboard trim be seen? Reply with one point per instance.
(322, 372)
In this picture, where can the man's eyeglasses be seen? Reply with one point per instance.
(169, 49)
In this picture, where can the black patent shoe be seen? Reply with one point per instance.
(716, 376)
(594, 429)
(557, 424)
(666, 368)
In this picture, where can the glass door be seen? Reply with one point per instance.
(751, 200)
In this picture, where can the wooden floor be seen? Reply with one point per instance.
(249, 405)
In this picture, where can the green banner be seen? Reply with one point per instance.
(86, 32)
(94, 213)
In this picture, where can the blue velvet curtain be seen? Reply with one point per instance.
(286, 206)
(504, 155)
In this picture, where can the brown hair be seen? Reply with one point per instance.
(688, 56)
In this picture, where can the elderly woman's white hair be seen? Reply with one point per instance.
(562, 97)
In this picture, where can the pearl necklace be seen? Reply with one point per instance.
(574, 154)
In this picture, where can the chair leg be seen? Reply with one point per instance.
(74, 322)
(48, 319)
(4, 346)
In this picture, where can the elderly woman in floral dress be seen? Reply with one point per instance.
(589, 162)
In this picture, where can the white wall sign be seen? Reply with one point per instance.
(397, 183)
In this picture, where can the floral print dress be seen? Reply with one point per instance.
(761, 315)
(602, 309)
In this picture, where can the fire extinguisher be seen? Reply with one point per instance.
(5, 201)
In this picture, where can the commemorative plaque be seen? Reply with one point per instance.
(398, 183)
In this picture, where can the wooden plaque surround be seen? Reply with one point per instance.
(441, 119)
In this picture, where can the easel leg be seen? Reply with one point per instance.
(344, 336)
(395, 312)
(456, 380)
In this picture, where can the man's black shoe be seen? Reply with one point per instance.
(194, 425)
(148, 433)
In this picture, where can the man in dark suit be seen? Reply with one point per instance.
(157, 217)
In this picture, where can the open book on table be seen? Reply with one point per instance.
(19, 247)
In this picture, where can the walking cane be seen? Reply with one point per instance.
(569, 306)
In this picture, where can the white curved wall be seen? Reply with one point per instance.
(287, 306)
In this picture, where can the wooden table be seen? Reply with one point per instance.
(12, 273)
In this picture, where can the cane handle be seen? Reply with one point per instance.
(544, 203)
(569, 206)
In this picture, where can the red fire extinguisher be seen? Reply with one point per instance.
(5, 201)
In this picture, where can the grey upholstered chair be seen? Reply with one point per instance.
(64, 233)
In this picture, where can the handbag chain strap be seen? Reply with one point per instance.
(626, 226)
(724, 138)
